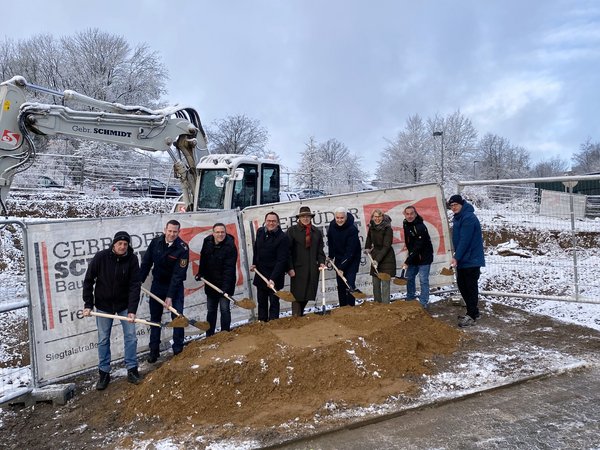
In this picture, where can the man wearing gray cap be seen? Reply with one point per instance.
(112, 286)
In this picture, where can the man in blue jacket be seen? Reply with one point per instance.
(345, 250)
(270, 256)
(468, 255)
(168, 257)
(112, 286)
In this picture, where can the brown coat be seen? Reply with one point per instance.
(305, 262)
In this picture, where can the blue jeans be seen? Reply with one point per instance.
(104, 325)
(411, 288)
(212, 306)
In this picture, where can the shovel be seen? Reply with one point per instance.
(401, 280)
(136, 320)
(323, 308)
(245, 303)
(283, 295)
(381, 276)
(181, 320)
(354, 292)
(447, 271)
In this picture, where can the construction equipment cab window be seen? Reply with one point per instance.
(244, 190)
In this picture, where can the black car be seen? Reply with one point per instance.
(310, 193)
(146, 187)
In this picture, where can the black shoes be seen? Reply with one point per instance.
(133, 376)
(153, 357)
(103, 381)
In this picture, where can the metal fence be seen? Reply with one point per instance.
(15, 350)
(539, 243)
(91, 175)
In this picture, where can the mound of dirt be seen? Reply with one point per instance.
(266, 374)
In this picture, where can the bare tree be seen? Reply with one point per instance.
(550, 167)
(330, 166)
(238, 135)
(587, 160)
(499, 159)
(405, 158)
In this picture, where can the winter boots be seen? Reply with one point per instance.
(103, 380)
(133, 376)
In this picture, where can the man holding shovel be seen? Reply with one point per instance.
(420, 255)
(218, 259)
(307, 257)
(271, 256)
(112, 286)
(379, 246)
(168, 257)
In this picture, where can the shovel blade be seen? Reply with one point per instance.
(400, 281)
(447, 271)
(204, 326)
(245, 303)
(358, 294)
(178, 322)
(384, 276)
(286, 296)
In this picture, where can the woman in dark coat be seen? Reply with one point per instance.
(344, 250)
(379, 244)
(306, 258)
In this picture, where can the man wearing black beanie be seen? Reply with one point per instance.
(112, 286)
(468, 255)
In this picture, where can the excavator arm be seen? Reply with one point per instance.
(175, 130)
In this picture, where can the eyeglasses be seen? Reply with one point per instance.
(377, 216)
(452, 205)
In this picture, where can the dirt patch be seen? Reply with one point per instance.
(266, 383)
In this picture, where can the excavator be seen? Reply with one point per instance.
(209, 182)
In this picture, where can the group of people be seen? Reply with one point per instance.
(114, 277)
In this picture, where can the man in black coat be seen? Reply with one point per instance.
(218, 259)
(420, 255)
(168, 256)
(271, 258)
(112, 286)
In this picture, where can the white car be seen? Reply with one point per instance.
(288, 196)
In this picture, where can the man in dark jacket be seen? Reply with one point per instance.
(112, 286)
(345, 251)
(218, 259)
(168, 257)
(271, 256)
(306, 258)
(420, 255)
(468, 255)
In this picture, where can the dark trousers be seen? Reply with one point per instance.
(213, 304)
(156, 312)
(344, 296)
(468, 285)
(268, 304)
(298, 308)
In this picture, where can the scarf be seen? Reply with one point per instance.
(307, 235)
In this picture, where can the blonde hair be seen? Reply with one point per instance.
(378, 212)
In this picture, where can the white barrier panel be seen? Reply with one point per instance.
(427, 199)
(59, 252)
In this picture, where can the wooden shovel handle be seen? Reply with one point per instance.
(220, 291)
(339, 272)
(264, 279)
(161, 301)
(116, 316)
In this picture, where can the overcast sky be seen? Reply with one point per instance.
(356, 70)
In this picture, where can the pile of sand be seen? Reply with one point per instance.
(265, 374)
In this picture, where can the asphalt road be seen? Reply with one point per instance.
(560, 411)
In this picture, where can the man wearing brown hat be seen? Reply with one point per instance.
(307, 257)
(112, 285)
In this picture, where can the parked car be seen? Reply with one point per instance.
(46, 182)
(310, 193)
(288, 196)
(146, 187)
